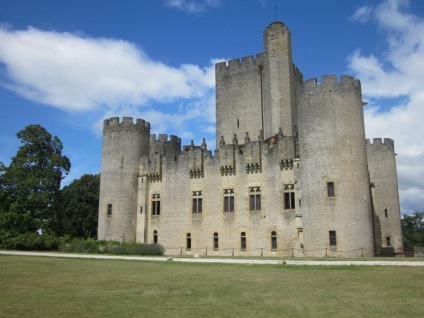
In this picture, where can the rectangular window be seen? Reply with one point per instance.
(197, 202)
(330, 189)
(255, 199)
(388, 244)
(188, 242)
(333, 239)
(273, 240)
(155, 204)
(215, 241)
(289, 197)
(243, 241)
(229, 200)
(386, 214)
(109, 209)
(289, 200)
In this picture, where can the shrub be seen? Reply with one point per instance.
(118, 250)
(29, 241)
(77, 245)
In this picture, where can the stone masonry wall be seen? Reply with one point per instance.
(332, 149)
(176, 219)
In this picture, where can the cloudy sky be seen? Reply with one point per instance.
(68, 65)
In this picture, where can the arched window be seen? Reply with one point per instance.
(155, 236)
(215, 241)
(243, 241)
(273, 240)
(188, 242)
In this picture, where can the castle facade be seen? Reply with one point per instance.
(293, 174)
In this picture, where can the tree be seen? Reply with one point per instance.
(413, 229)
(31, 183)
(80, 206)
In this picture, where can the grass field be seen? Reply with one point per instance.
(56, 287)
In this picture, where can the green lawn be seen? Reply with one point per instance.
(56, 287)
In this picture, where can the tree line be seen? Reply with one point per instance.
(34, 209)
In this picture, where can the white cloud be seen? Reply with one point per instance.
(109, 77)
(396, 77)
(362, 14)
(192, 6)
(77, 73)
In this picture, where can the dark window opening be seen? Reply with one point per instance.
(141, 209)
(109, 209)
(289, 201)
(215, 241)
(255, 199)
(155, 204)
(188, 242)
(243, 241)
(333, 239)
(238, 123)
(155, 236)
(330, 189)
(388, 244)
(273, 240)
(229, 200)
(197, 202)
(385, 213)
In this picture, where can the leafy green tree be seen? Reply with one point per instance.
(413, 229)
(30, 185)
(80, 206)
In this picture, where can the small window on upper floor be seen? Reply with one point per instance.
(386, 214)
(255, 199)
(155, 204)
(197, 202)
(289, 197)
(330, 189)
(109, 209)
(229, 200)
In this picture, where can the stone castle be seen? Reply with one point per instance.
(293, 174)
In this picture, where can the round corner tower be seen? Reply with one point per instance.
(336, 198)
(123, 145)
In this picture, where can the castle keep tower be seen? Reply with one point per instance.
(123, 145)
(336, 201)
(278, 81)
(258, 95)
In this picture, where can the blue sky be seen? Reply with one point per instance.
(67, 65)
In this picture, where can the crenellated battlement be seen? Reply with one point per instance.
(126, 121)
(165, 146)
(164, 137)
(380, 143)
(330, 82)
(235, 65)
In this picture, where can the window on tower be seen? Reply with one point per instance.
(155, 204)
(330, 189)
